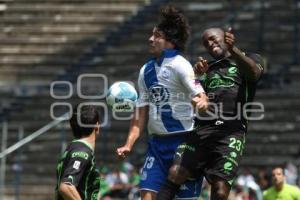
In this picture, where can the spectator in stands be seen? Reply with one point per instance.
(217, 147)
(263, 179)
(280, 189)
(247, 182)
(166, 82)
(77, 176)
(291, 173)
(118, 182)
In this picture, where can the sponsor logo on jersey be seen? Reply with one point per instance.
(80, 154)
(76, 164)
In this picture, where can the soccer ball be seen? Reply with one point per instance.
(121, 97)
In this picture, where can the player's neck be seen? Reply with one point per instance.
(91, 140)
(279, 187)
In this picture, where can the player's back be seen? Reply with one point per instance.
(77, 167)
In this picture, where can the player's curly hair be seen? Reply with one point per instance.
(175, 26)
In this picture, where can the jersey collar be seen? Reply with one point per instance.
(86, 143)
(167, 53)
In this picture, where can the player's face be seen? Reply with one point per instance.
(277, 176)
(213, 41)
(157, 42)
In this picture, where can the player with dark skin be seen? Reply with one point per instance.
(220, 44)
(212, 153)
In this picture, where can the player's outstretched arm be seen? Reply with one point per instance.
(136, 126)
(69, 192)
(249, 67)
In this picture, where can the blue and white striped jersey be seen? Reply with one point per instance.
(168, 87)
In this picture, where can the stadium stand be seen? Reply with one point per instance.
(42, 41)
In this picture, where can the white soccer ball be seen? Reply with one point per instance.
(121, 97)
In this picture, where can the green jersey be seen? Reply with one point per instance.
(77, 167)
(288, 192)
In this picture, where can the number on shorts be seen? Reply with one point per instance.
(235, 144)
(149, 162)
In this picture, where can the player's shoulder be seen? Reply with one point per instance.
(78, 149)
(292, 188)
(254, 56)
(180, 61)
(268, 192)
(150, 63)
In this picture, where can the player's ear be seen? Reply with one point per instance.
(97, 128)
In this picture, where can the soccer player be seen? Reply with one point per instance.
(168, 94)
(281, 190)
(216, 148)
(77, 176)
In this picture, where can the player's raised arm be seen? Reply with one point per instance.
(251, 69)
(136, 126)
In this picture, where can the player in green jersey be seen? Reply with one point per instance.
(77, 176)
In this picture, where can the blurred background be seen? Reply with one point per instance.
(43, 41)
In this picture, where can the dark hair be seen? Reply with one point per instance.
(175, 26)
(279, 167)
(86, 122)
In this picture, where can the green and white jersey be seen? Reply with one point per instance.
(77, 167)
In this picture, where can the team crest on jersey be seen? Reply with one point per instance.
(232, 70)
(159, 94)
(165, 73)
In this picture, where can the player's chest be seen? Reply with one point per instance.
(162, 75)
(223, 78)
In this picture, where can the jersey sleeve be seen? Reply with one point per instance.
(187, 76)
(258, 60)
(143, 98)
(75, 166)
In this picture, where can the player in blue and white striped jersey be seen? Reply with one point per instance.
(168, 94)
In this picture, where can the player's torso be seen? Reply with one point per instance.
(225, 87)
(168, 88)
(89, 184)
(287, 193)
(168, 97)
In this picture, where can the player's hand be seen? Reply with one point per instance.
(200, 102)
(123, 151)
(229, 38)
(201, 66)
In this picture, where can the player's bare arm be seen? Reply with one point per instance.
(249, 68)
(69, 192)
(200, 102)
(136, 126)
(201, 66)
